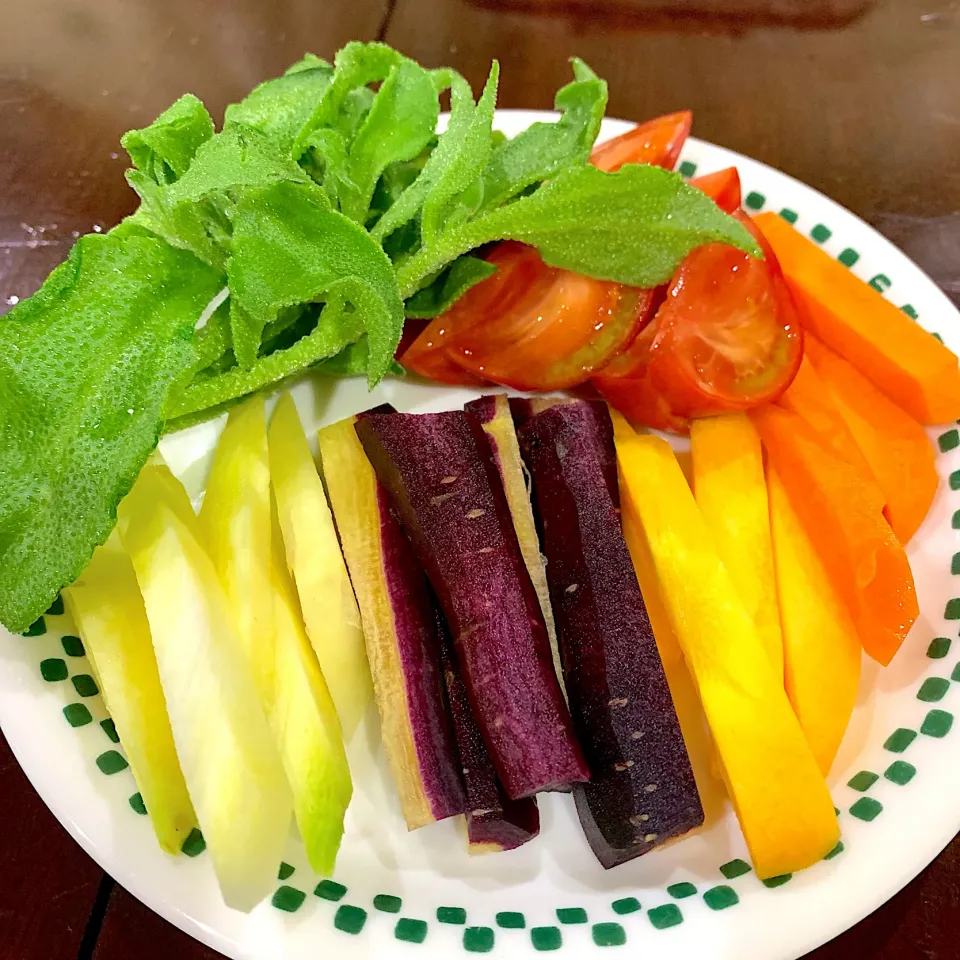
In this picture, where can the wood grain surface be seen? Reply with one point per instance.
(860, 101)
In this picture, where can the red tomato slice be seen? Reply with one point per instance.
(722, 187)
(421, 351)
(530, 326)
(657, 142)
(725, 338)
(626, 385)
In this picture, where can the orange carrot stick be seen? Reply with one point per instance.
(808, 397)
(897, 448)
(849, 316)
(865, 561)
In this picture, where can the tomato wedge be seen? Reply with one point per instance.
(722, 187)
(725, 338)
(426, 356)
(657, 142)
(530, 326)
(626, 384)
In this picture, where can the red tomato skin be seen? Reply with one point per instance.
(722, 187)
(636, 396)
(529, 326)
(656, 387)
(541, 361)
(657, 142)
(419, 356)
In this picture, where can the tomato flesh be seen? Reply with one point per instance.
(722, 187)
(725, 338)
(626, 385)
(530, 326)
(657, 142)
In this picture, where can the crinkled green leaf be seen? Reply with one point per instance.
(353, 111)
(164, 150)
(633, 226)
(194, 212)
(449, 146)
(332, 333)
(289, 247)
(325, 160)
(400, 123)
(446, 289)
(356, 65)
(543, 149)
(353, 361)
(395, 180)
(450, 197)
(281, 107)
(309, 61)
(246, 330)
(239, 156)
(212, 340)
(86, 369)
(202, 227)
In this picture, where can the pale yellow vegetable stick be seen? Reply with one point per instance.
(780, 796)
(731, 491)
(235, 523)
(107, 608)
(822, 651)
(224, 742)
(314, 558)
(307, 729)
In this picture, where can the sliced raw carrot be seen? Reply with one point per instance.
(821, 649)
(894, 444)
(866, 563)
(849, 316)
(779, 794)
(809, 398)
(731, 491)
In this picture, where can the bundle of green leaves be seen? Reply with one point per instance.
(328, 208)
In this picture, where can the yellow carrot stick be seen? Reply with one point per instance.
(779, 794)
(822, 651)
(731, 492)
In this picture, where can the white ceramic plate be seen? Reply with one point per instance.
(397, 894)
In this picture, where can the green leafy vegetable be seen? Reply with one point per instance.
(355, 67)
(194, 212)
(290, 247)
(86, 369)
(326, 161)
(164, 151)
(212, 340)
(353, 361)
(335, 329)
(633, 226)
(449, 146)
(453, 283)
(280, 107)
(544, 149)
(401, 121)
(450, 197)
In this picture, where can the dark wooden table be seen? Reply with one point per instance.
(857, 97)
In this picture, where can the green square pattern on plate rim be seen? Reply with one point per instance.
(607, 931)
